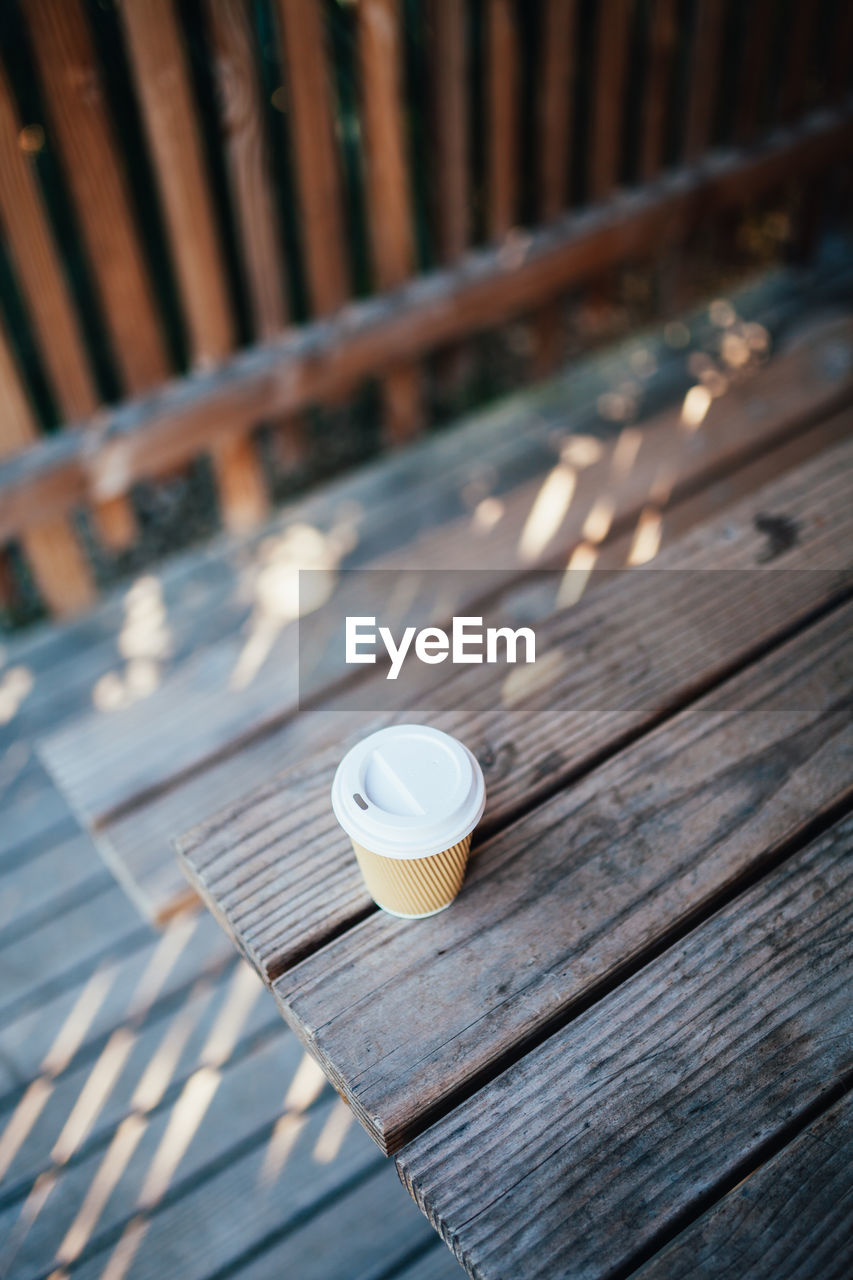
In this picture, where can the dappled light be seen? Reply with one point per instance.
(547, 513)
(15, 684)
(280, 596)
(332, 1134)
(144, 642)
(647, 537)
(576, 576)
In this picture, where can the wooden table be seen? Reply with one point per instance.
(629, 1043)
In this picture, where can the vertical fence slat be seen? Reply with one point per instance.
(44, 287)
(753, 73)
(79, 116)
(248, 162)
(841, 54)
(39, 270)
(611, 60)
(162, 81)
(317, 161)
(799, 58)
(660, 55)
(704, 77)
(52, 551)
(447, 74)
(389, 199)
(502, 107)
(555, 106)
(554, 109)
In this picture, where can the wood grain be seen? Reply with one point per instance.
(502, 107)
(39, 269)
(660, 55)
(643, 843)
(389, 201)
(790, 1219)
(753, 71)
(611, 60)
(50, 545)
(448, 73)
(79, 116)
(40, 272)
(248, 161)
(107, 773)
(597, 1144)
(162, 80)
(555, 105)
(273, 865)
(704, 77)
(140, 842)
(316, 156)
(323, 360)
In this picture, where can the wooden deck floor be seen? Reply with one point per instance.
(156, 1116)
(154, 1109)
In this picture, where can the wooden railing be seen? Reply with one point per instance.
(460, 163)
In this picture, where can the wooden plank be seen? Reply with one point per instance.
(659, 64)
(140, 843)
(481, 292)
(103, 773)
(596, 1146)
(50, 545)
(248, 161)
(799, 60)
(389, 202)
(79, 935)
(704, 77)
(555, 104)
(644, 843)
(274, 905)
(448, 72)
(791, 1218)
(162, 81)
(353, 1229)
(39, 269)
(611, 61)
(753, 71)
(223, 1120)
(177, 1040)
(316, 157)
(109, 997)
(79, 116)
(161, 78)
(502, 115)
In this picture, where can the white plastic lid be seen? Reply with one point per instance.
(408, 791)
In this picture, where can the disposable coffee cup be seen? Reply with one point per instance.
(409, 798)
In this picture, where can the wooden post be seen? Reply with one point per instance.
(51, 548)
(554, 118)
(162, 80)
(660, 53)
(610, 62)
(311, 118)
(79, 116)
(502, 93)
(704, 77)
(389, 200)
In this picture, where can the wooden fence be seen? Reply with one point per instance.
(218, 213)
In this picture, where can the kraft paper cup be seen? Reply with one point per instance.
(409, 798)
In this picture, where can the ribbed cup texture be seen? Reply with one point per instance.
(414, 886)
